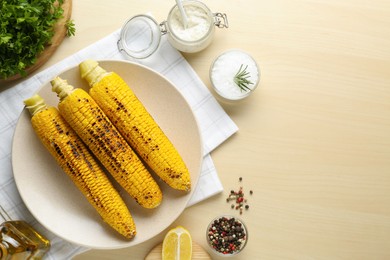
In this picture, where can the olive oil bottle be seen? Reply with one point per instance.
(18, 240)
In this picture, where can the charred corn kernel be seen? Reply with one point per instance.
(78, 163)
(103, 139)
(136, 125)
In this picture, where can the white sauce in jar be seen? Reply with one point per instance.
(199, 31)
(224, 69)
(198, 23)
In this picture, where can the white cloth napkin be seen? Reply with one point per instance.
(214, 123)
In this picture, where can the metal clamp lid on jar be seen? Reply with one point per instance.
(141, 35)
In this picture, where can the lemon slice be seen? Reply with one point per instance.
(177, 244)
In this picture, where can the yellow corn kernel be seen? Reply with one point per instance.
(103, 139)
(136, 125)
(79, 164)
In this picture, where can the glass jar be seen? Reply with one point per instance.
(141, 35)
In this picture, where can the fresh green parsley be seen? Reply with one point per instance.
(26, 28)
(71, 29)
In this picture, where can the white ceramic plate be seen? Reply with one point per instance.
(55, 201)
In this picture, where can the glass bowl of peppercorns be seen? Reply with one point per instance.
(227, 235)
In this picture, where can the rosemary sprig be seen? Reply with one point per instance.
(242, 78)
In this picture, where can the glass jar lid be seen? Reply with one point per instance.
(140, 36)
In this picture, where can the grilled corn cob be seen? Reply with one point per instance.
(136, 125)
(79, 164)
(96, 130)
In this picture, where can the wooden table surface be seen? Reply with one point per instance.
(314, 139)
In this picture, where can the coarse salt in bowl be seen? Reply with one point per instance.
(229, 69)
(226, 235)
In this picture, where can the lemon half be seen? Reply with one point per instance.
(177, 244)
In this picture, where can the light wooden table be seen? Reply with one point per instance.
(314, 139)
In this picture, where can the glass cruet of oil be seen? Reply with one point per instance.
(18, 240)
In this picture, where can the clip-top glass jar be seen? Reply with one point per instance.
(140, 36)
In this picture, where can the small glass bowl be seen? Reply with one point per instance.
(227, 235)
(224, 69)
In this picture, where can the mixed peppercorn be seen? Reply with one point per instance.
(240, 202)
(227, 235)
